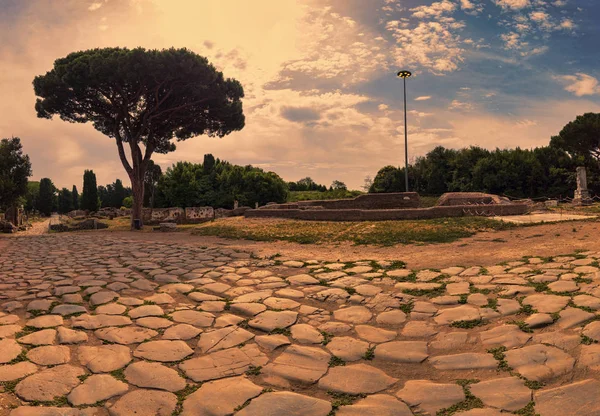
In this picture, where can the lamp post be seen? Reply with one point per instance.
(404, 75)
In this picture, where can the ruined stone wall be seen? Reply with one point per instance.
(178, 215)
(199, 214)
(367, 201)
(389, 214)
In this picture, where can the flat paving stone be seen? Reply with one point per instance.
(225, 363)
(376, 405)
(546, 303)
(539, 362)
(220, 339)
(154, 376)
(286, 403)
(466, 361)
(429, 397)
(126, 335)
(145, 402)
(402, 351)
(163, 350)
(182, 332)
(356, 379)
(347, 348)
(195, 318)
(509, 336)
(220, 397)
(96, 388)
(99, 321)
(299, 364)
(51, 383)
(9, 350)
(49, 355)
(104, 358)
(16, 371)
(43, 337)
(507, 393)
(353, 315)
(269, 320)
(576, 399)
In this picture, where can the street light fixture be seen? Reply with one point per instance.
(404, 75)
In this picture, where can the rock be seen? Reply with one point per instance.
(395, 317)
(576, 399)
(356, 379)
(269, 320)
(96, 388)
(466, 361)
(428, 397)
(145, 402)
(50, 383)
(43, 337)
(49, 355)
(538, 320)
(347, 348)
(104, 358)
(220, 397)
(272, 342)
(286, 403)
(377, 404)
(221, 339)
(402, 351)
(154, 376)
(539, 362)
(146, 310)
(126, 335)
(45, 321)
(225, 363)
(418, 329)
(459, 313)
(353, 315)
(183, 332)
(374, 334)
(507, 393)
(299, 364)
(546, 303)
(70, 336)
(17, 371)
(571, 317)
(509, 336)
(306, 334)
(195, 318)
(9, 350)
(163, 350)
(99, 321)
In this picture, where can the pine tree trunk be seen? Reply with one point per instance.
(137, 187)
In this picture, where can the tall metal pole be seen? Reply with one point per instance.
(405, 140)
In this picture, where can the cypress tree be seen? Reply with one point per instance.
(46, 198)
(89, 199)
(75, 195)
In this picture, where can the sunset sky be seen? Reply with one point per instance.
(322, 98)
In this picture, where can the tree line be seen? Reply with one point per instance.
(548, 171)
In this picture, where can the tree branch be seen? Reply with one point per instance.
(122, 155)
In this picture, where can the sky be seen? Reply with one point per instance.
(321, 94)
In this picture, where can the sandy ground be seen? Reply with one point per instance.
(483, 249)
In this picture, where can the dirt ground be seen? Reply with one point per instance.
(483, 249)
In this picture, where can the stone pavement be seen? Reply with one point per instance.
(97, 325)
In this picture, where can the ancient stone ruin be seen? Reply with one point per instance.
(582, 195)
(393, 206)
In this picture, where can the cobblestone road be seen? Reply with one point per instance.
(97, 325)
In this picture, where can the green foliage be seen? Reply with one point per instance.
(65, 201)
(468, 324)
(141, 97)
(32, 195)
(128, 202)
(46, 197)
(580, 137)
(187, 184)
(89, 198)
(75, 196)
(295, 196)
(112, 195)
(336, 361)
(15, 168)
(545, 171)
(306, 184)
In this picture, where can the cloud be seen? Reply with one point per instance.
(300, 114)
(436, 9)
(423, 98)
(581, 84)
(460, 106)
(513, 4)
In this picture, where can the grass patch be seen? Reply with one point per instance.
(498, 354)
(342, 399)
(379, 233)
(522, 326)
(254, 371)
(528, 410)
(119, 374)
(406, 307)
(336, 362)
(468, 324)
(470, 402)
(585, 340)
(370, 354)
(327, 337)
(282, 331)
(182, 394)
